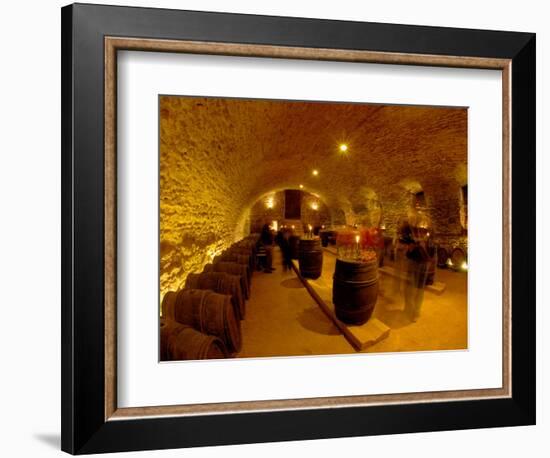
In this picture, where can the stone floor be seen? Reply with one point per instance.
(282, 319)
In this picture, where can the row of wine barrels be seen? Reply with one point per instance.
(246, 243)
(355, 290)
(208, 312)
(221, 283)
(179, 341)
(230, 256)
(310, 256)
(242, 251)
(294, 241)
(232, 268)
(456, 255)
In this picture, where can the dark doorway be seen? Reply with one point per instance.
(293, 204)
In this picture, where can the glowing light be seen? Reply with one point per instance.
(301, 186)
(449, 262)
(464, 266)
(357, 238)
(309, 227)
(293, 227)
(274, 225)
(270, 203)
(323, 226)
(315, 172)
(343, 147)
(315, 206)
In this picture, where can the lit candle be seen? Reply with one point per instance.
(357, 238)
(310, 232)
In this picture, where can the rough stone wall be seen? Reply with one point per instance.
(201, 197)
(219, 156)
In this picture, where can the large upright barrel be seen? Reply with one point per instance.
(310, 256)
(327, 237)
(355, 290)
(180, 341)
(209, 313)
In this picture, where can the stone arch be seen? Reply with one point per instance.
(366, 207)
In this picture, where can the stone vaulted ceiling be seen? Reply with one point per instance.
(219, 156)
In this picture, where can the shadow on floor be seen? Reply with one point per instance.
(51, 439)
(314, 320)
(395, 319)
(390, 312)
(292, 283)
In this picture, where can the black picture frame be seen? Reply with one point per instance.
(84, 428)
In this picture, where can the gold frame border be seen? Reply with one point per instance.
(112, 45)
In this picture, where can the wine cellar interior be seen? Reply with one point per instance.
(291, 228)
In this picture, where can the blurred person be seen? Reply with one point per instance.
(266, 240)
(417, 260)
(285, 250)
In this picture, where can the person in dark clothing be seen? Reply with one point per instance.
(266, 239)
(412, 260)
(285, 250)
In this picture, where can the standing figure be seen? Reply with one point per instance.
(266, 239)
(418, 259)
(286, 251)
(403, 241)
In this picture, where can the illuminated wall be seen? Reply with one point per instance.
(218, 157)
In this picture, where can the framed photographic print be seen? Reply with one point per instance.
(281, 228)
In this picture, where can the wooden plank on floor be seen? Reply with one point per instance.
(360, 337)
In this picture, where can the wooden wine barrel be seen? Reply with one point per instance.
(221, 283)
(210, 313)
(232, 268)
(235, 250)
(442, 256)
(248, 244)
(458, 258)
(168, 302)
(244, 259)
(310, 255)
(182, 342)
(355, 290)
(294, 241)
